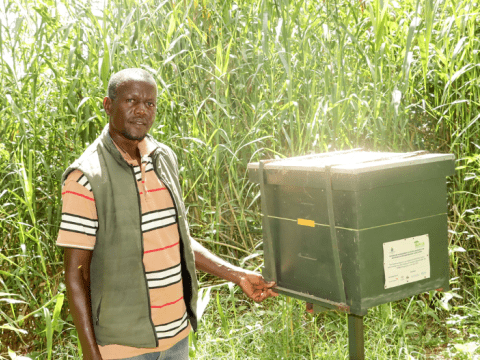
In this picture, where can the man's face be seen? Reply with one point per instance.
(133, 111)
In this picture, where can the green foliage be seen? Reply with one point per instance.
(238, 81)
(282, 329)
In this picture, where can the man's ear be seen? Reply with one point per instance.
(107, 105)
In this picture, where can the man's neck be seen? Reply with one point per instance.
(128, 146)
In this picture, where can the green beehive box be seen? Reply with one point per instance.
(354, 229)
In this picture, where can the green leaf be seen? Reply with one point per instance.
(13, 301)
(56, 324)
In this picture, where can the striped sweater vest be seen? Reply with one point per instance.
(118, 286)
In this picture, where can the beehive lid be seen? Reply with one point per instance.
(354, 164)
(353, 161)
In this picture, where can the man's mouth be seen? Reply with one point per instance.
(138, 122)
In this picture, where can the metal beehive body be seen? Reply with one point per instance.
(337, 259)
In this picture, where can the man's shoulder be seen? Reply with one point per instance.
(89, 155)
(88, 160)
(161, 147)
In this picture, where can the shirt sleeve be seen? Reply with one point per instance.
(79, 225)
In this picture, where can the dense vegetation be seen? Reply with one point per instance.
(240, 81)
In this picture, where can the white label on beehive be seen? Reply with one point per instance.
(406, 260)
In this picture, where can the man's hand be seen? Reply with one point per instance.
(252, 283)
(77, 280)
(255, 287)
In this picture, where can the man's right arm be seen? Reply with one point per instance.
(77, 279)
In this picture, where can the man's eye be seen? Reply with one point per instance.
(129, 100)
(151, 104)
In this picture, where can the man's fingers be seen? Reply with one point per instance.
(268, 293)
(258, 289)
(259, 296)
(272, 293)
(260, 282)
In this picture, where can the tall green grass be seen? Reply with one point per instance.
(238, 81)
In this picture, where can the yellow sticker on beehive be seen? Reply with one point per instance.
(306, 222)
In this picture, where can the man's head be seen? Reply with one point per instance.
(131, 103)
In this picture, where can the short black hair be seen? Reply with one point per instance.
(128, 75)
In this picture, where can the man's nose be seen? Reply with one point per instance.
(140, 108)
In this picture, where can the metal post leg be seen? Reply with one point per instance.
(355, 337)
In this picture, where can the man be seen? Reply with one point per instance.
(129, 259)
